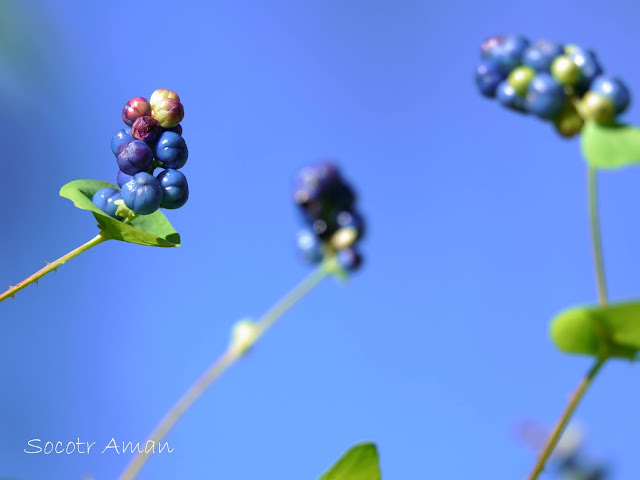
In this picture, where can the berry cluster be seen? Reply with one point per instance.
(564, 84)
(152, 140)
(334, 225)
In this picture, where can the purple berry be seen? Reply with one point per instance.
(146, 129)
(136, 107)
(134, 156)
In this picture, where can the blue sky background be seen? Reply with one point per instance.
(436, 350)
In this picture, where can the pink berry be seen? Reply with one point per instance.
(136, 107)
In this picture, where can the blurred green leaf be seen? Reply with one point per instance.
(610, 146)
(612, 330)
(359, 463)
(153, 230)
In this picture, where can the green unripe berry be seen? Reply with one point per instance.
(520, 78)
(565, 70)
(569, 122)
(569, 49)
(597, 107)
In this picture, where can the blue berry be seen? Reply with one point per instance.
(541, 54)
(121, 136)
(134, 156)
(142, 194)
(175, 188)
(614, 89)
(508, 97)
(349, 259)
(123, 178)
(588, 64)
(545, 97)
(488, 76)
(171, 150)
(177, 129)
(505, 50)
(104, 199)
(309, 246)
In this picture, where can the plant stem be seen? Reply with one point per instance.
(223, 363)
(101, 237)
(596, 241)
(574, 400)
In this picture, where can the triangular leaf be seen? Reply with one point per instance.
(359, 463)
(610, 146)
(154, 230)
(612, 330)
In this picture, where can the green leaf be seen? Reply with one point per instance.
(154, 230)
(613, 330)
(610, 146)
(359, 463)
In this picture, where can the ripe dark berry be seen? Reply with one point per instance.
(104, 199)
(171, 150)
(545, 97)
(169, 112)
(123, 178)
(177, 129)
(349, 259)
(488, 76)
(541, 54)
(136, 107)
(134, 156)
(146, 129)
(588, 64)
(614, 89)
(508, 97)
(505, 50)
(121, 136)
(175, 188)
(309, 246)
(349, 229)
(142, 194)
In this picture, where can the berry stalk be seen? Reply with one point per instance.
(576, 397)
(51, 267)
(234, 352)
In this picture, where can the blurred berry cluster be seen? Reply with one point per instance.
(334, 225)
(153, 140)
(564, 84)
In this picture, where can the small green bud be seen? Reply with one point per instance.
(243, 335)
(520, 78)
(569, 122)
(597, 107)
(565, 70)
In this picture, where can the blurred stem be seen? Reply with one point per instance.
(596, 241)
(564, 419)
(225, 361)
(101, 237)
